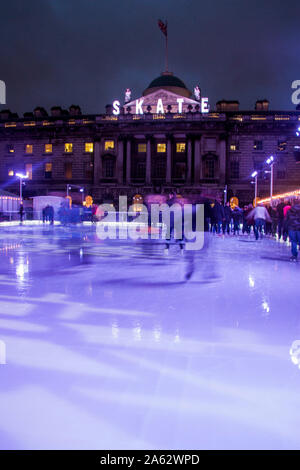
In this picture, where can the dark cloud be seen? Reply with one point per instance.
(89, 51)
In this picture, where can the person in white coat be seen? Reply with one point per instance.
(260, 216)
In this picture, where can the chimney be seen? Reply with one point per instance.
(262, 105)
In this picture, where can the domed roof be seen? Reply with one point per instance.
(168, 81)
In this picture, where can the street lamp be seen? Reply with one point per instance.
(270, 161)
(82, 191)
(21, 177)
(255, 175)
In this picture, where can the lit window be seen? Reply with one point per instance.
(161, 148)
(28, 148)
(48, 170)
(11, 173)
(28, 170)
(10, 148)
(142, 148)
(282, 145)
(234, 146)
(68, 148)
(109, 145)
(180, 147)
(48, 148)
(89, 147)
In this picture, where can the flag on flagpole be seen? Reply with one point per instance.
(163, 27)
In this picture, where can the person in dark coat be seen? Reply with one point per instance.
(21, 212)
(218, 217)
(280, 217)
(227, 218)
(237, 216)
(292, 226)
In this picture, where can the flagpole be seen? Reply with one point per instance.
(167, 48)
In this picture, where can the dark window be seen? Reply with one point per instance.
(109, 167)
(281, 174)
(234, 169)
(180, 170)
(209, 168)
(160, 169)
(258, 145)
(88, 170)
(68, 170)
(140, 170)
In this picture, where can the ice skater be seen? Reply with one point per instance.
(292, 226)
(260, 216)
(176, 224)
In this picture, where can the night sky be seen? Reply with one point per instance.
(86, 52)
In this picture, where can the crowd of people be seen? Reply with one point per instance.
(281, 220)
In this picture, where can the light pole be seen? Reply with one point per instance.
(255, 175)
(82, 192)
(225, 194)
(21, 178)
(270, 161)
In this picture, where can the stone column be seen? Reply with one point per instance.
(120, 162)
(189, 162)
(169, 161)
(222, 159)
(197, 160)
(128, 161)
(148, 162)
(97, 163)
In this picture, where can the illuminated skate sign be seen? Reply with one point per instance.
(162, 102)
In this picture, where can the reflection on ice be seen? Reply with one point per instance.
(111, 336)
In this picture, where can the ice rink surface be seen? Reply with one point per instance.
(108, 347)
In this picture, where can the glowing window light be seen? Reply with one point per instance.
(30, 123)
(11, 173)
(28, 148)
(282, 118)
(28, 170)
(142, 148)
(180, 147)
(68, 147)
(109, 145)
(48, 148)
(89, 147)
(161, 148)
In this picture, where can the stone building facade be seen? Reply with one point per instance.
(161, 141)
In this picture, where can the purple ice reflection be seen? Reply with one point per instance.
(107, 346)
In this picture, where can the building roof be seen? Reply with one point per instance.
(170, 82)
(167, 80)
